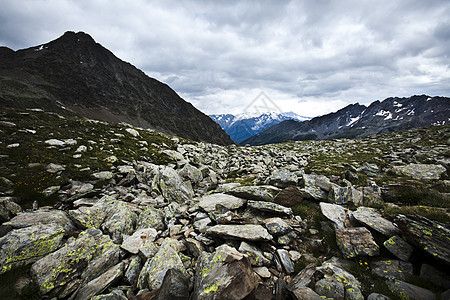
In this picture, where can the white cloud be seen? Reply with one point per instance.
(313, 57)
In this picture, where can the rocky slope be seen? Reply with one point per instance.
(91, 210)
(74, 75)
(242, 126)
(355, 120)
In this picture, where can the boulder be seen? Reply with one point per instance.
(430, 236)
(8, 209)
(254, 254)
(101, 283)
(191, 173)
(246, 232)
(269, 207)
(335, 213)
(208, 203)
(436, 276)
(316, 186)
(356, 241)
(285, 260)
(171, 186)
(120, 219)
(88, 217)
(289, 196)
(259, 192)
(91, 254)
(23, 246)
(392, 268)
(154, 270)
(138, 239)
(151, 218)
(371, 194)
(343, 195)
(330, 287)
(282, 178)
(195, 247)
(406, 290)
(277, 226)
(305, 278)
(421, 171)
(224, 274)
(132, 272)
(175, 286)
(373, 219)
(376, 296)
(104, 175)
(305, 293)
(397, 246)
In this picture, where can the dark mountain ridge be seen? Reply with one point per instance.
(356, 120)
(74, 75)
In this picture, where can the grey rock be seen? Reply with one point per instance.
(23, 246)
(151, 218)
(120, 218)
(132, 272)
(224, 274)
(54, 168)
(254, 254)
(305, 293)
(149, 250)
(282, 178)
(392, 268)
(8, 209)
(304, 278)
(138, 239)
(195, 247)
(260, 192)
(171, 185)
(316, 186)
(371, 170)
(371, 195)
(208, 203)
(246, 232)
(104, 175)
(330, 287)
(373, 219)
(276, 226)
(114, 295)
(289, 196)
(100, 283)
(376, 296)
(202, 224)
(420, 171)
(191, 173)
(335, 213)
(285, 260)
(404, 289)
(262, 272)
(55, 142)
(437, 277)
(154, 270)
(399, 247)
(175, 286)
(343, 195)
(269, 207)
(356, 241)
(60, 267)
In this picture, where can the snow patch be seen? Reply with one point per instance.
(40, 48)
(396, 104)
(353, 121)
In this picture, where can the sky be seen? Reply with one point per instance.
(309, 57)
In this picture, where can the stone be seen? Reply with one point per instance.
(114, 295)
(55, 142)
(421, 171)
(282, 178)
(54, 168)
(371, 194)
(289, 196)
(208, 203)
(259, 193)
(376, 296)
(224, 274)
(132, 272)
(8, 209)
(126, 169)
(430, 236)
(133, 132)
(138, 239)
(151, 218)
(276, 226)
(409, 291)
(191, 173)
(175, 286)
(355, 242)
(285, 261)
(91, 254)
(101, 283)
(254, 254)
(343, 195)
(399, 247)
(246, 232)
(304, 278)
(120, 219)
(262, 272)
(371, 170)
(154, 270)
(316, 186)
(335, 213)
(305, 293)
(104, 175)
(269, 207)
(171, 185)
(330, 287)
(392, 268)
(202, 224)
(23, 246)
(437, 277)
(149, 250)
(373, 219)
(195, 247)
(88, 217)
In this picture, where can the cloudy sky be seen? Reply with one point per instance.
(310, 57)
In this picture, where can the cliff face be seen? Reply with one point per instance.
(74, 75)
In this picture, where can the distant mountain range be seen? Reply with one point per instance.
(355, 120)
(242, 126)
(74, 75)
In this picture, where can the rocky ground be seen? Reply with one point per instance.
(101, 211)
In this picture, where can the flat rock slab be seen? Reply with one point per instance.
(269, 207)
(392, 268)
(432, 237)
(399, 247)
(420, 171)
(409, 291)
(335, 213)
(208, 203)
(373, 219)
(240, 232)
(138, 239)
(259, 192)
(356, 241)
(26, 245)
(289, 196)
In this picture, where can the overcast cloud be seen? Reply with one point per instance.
(310, 57)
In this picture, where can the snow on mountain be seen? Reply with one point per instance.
(242, 126)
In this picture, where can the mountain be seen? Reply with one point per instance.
(74, 75)
(242, 126)
(355, 120)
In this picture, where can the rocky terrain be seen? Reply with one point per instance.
(91, 210)
(356, 120)
(74, 75)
